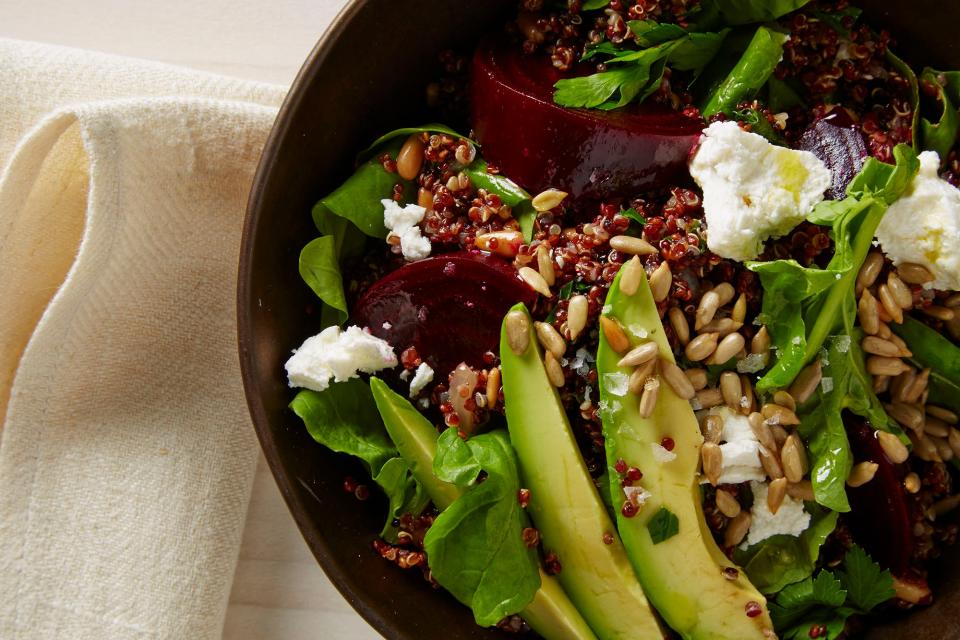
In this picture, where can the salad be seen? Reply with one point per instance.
(657, 334)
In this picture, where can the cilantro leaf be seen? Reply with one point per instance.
(867, 584)
(663, 525)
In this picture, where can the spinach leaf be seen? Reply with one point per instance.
(907, 72)
(784, 559)
(749, 11)
(510, 193)
(804, 305)
(475, 546)
(942, 135)
(750, 74)
(590, 5)
(406, 132)
(320, 269)
(344, 418)
(358, 199)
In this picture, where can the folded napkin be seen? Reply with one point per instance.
(126, 452)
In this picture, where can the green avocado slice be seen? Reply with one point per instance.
(564, 503)
(695, 587)
(551, 614)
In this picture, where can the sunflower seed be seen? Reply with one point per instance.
(737, 529)
(615, 335)
(638, 355)
(776, 492)
(868, 312)
(577, 312)
(712, 461)
(648, 399)
(913, 273)
(545, 265)
(632, 245)
(535, 280)
(517, 324)
(697, 377)
(727, 504)
(630, 274)
(548, 199)
(554, 370)
(794, 458)
(701, 347)
(895, 450)
(550, 338)
(678, 321)
(660, 282)
(806, 382)
(862, 473)
(676, 379)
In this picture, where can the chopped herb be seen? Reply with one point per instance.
(566, 291)
(633, 215)
(663, 525)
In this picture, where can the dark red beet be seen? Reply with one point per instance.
(591, 154)
(879, 515)
(839, 144)
(449, 307)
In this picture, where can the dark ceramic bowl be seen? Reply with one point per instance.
(367, 75)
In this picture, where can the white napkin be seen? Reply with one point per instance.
(126, 454)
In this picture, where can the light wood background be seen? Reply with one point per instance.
(279, 591)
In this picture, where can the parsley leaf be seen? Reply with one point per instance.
(867, 584)
(663, 525)
(797, 600)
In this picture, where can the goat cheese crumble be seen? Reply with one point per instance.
(337, 355)
(790, 518)
(753, 190)
(402, 222)
(422, 377)
(739, 447)
(923, 226)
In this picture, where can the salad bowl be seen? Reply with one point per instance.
(367, 75)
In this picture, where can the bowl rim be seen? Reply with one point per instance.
(253, 215)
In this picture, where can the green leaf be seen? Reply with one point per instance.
(344, 418)
(802, 306)
(796, 601)
(650, 32)
(320, 269)
(760, 125)
(632, 214)
(695, 51)
(750, 74)
(749, 11)
(867, 584)
(590, 5)
(663, 525)
(781, 95)
(907, 72)
(510, 193)
(616, 87)
(942, 135)
(358, 199)
(784, 559)
(405, 133)
(476, 547)
(455, 462)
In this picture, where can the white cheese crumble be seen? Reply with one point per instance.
(790, 518)
(923, 226)
(338, 356)
(616, 383)
(660, 454)
(753, 190)
(739, 447)
(637, 495)
(402, 222)
(421, 378)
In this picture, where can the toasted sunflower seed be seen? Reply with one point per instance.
(577, 312)
(806, 382)
(862, 473)
(678, 321)
(550, 338)
(712, 461)
(632, 245)
(727, 504)
(648, 399)
(660, 282)
(631, 273)
(701, 347)
(640, 354)
(776, 492)
(548, 199)
(615, 335)
(676, 379)
(517, 324)
(737, 529)
(535, 280)
(892, 447)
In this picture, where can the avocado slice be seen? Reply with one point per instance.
(694, 586)
(551, 613)
(564, 503)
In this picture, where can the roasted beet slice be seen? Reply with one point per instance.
(591, 154)
(449, 307)
(839, 144)
(879, 515)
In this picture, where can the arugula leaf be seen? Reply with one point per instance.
(750, 74)
(344, 418)
(866, 583)
(784, 559)
(804, 305)
(941, 137)
(663, 525)
(475, 546)
(749, 11)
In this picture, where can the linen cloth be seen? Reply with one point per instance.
(126, 453)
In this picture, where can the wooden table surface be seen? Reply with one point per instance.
(279, 591)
